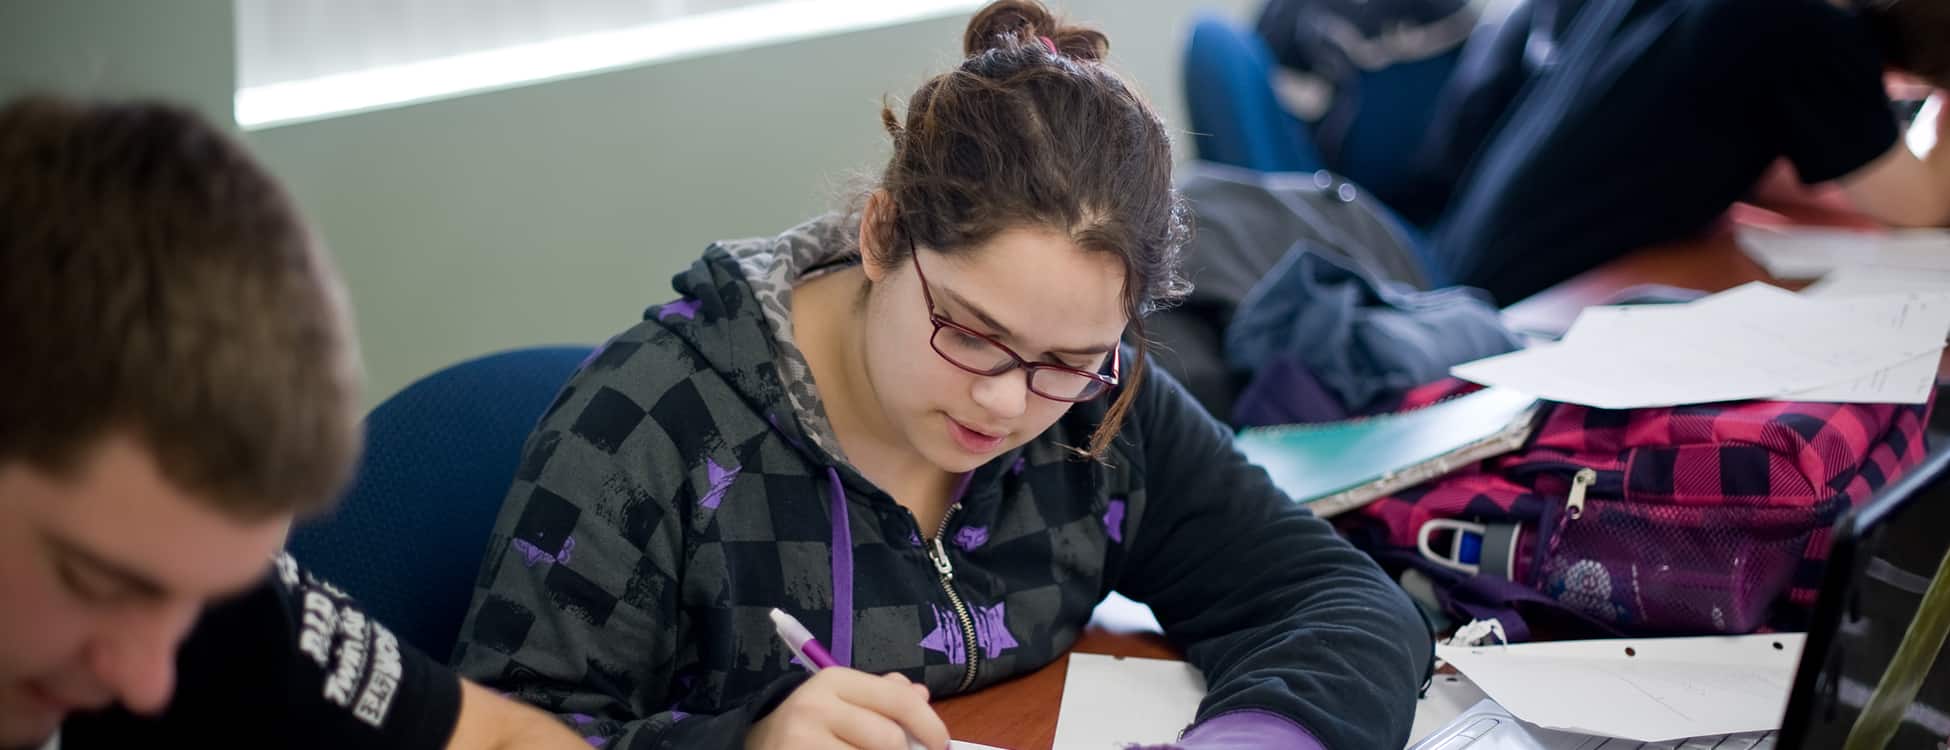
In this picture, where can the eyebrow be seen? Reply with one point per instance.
(140, 585)
(991, 322)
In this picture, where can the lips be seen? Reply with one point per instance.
(973, 440)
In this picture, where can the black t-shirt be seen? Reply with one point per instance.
(292, 663)
(1647, 130)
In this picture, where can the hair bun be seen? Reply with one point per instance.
(1008, 24)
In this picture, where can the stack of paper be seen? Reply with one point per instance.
(1751, 342)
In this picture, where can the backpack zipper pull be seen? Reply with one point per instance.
(1579, 482)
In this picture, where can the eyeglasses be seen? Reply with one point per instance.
(980, 354)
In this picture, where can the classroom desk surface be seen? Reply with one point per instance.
(1021, 714)
(1712, 262)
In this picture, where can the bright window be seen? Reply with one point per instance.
(300, 60)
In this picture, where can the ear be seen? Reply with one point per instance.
(874, 255)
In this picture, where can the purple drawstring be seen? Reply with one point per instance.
(841, 644)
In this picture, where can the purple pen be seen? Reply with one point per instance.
(810, 653)
(814, 656)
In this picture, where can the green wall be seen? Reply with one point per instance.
(182, 49)
(555, 212)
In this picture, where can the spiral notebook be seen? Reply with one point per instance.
(1335, 467)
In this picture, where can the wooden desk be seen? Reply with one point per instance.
(1711, 263)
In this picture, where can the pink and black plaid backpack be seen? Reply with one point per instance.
(1686, 520)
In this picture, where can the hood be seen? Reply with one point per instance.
(733, 309)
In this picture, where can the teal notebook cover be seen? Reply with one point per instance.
(1334, 467)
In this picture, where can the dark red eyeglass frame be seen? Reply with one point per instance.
(1105, 381)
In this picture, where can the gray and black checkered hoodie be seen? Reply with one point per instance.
(681, 486)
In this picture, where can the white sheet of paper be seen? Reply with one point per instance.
(960, 745)
(1834, 331)
(1666, 346)
(1809, 253)
(1111, 701)
(1922, 314)
(1754, 341)
(1663, 689)
(1906, 383)
(1925, 315)
(1559, 372)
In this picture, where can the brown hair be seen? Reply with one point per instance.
(1032, 129)
(1914, 36)
(155, 280)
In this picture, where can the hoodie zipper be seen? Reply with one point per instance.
(939, 555)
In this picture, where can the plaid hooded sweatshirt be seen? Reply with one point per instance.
(680, 487)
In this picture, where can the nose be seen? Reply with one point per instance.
(1004, 396)
(137, 659)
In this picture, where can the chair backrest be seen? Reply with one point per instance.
(407, 538)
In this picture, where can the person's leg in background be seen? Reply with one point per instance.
(1235, 117)
(1383, 120)
(1366, 78)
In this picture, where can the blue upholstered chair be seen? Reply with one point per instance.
(407, 539)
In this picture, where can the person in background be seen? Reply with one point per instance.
(181, 382)
(1665, 112)
(1571, 132)
(912, 426)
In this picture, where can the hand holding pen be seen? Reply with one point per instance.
(846, 708)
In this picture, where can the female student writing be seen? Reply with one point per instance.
(911, 426)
